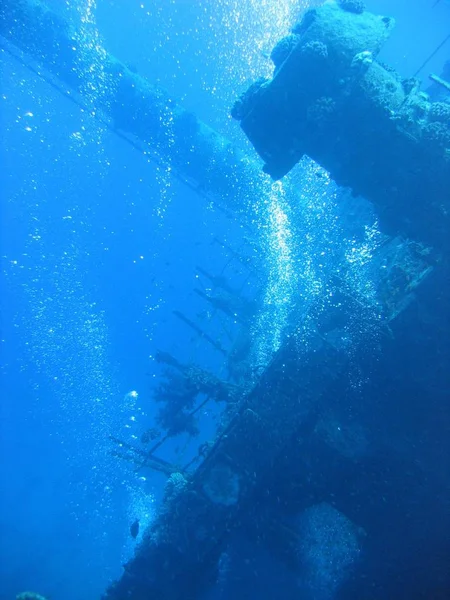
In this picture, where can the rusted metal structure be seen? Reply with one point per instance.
(331, 99)
(303, 435)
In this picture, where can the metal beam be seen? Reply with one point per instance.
(199, 155)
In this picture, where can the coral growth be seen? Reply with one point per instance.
(174, 486)
(315, 50)
(307, 19)
(437, 135)
(283, 49)
(440, 113)
(362, 60)
(178, 396)
(222, 485)
(354, 6)
(329, 546)
(320, 112)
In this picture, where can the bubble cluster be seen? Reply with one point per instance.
(95, 80)
(276, 240)
(312, 263)
(329, 547)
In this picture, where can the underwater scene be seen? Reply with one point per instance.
(225, 300)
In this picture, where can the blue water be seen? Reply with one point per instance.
(99, 245)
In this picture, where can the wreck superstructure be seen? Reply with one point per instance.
(331, 99)
(302, 436)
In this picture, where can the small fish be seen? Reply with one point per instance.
(134, 529)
